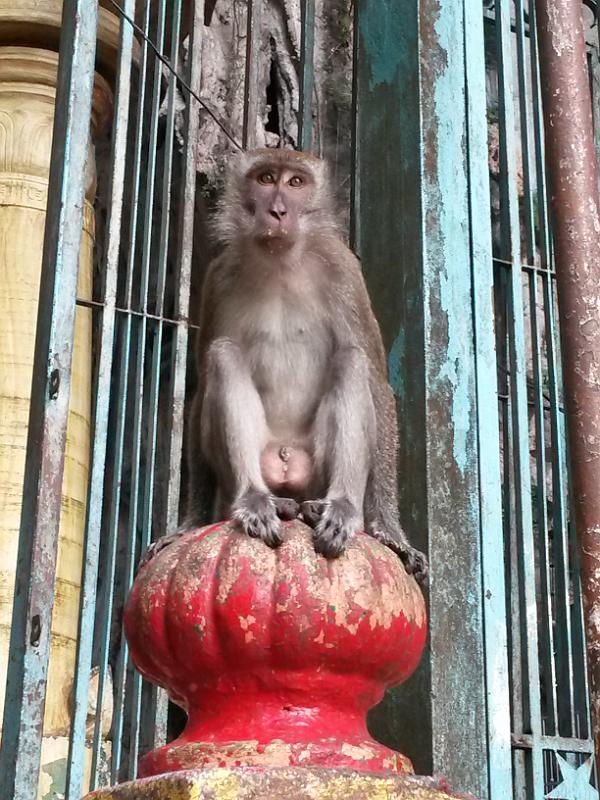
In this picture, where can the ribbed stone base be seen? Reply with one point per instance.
(243, 783)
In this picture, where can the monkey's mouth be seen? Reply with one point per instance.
(279, 235)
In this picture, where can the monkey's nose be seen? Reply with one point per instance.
(278, 212)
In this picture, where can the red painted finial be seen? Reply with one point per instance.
(276, 655)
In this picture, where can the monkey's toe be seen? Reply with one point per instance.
(257, 515)
(415, 563)
(160, 544)
(286, 507)
(338, 520)
(312, 511)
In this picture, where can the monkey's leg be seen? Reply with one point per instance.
(381, 501)
(344, 440)
(234, 432)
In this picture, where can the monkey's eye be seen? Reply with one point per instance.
(266, 178)
(295, 181)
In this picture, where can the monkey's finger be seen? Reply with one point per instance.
(312, 511)
(286, 507)
(330, 539)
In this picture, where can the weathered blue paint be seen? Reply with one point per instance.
(454, 509)
(488, 435)
(74, 783)
(524, 563)
(137, 717)
(40, 516)
(124, 331)
(386, 151)
(381, 33)
(417, 255)
(135, 519)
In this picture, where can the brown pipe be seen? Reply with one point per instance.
(573, 178)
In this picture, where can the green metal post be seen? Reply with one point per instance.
(420, 197)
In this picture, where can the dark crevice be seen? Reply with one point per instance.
(273, 90)
(209, 7)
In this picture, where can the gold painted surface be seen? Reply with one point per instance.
(274, 784)
(27, 95)
(38, 22)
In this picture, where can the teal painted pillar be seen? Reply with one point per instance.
(422, 229)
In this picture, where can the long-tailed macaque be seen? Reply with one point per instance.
(294, 413)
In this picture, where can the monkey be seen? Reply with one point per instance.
(294, 414)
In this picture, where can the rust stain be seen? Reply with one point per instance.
(574, 183)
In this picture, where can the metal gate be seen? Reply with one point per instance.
(449, 213)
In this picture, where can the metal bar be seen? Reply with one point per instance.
(560, 528)
(510, 226)
(451, 413)
(121, 669)
(488, 434)
(75, 762)
(156, 347)
(307, 74)
(574, 177)
(547, 632)
(184, 262)
(547, 650)
(525, 118)
(354, 232)
(253, 40)
(538, 132)
(49, 408)
(526, 741)
(122, 392)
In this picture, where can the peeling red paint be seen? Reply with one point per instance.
(327, 638)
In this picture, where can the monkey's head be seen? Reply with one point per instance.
(273, 197)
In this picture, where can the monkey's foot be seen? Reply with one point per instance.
(256, 512)
(333, 522)
(414, 561)
(160, 544)
(287, 508)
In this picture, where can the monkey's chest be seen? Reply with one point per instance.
(288, 363)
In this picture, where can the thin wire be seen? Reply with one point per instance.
(178, 77)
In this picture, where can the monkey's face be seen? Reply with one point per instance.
(277, 199)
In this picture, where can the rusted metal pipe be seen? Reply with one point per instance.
(573, 177)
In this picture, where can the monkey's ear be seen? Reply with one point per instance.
(239, 165)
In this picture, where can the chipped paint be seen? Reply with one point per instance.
(281, 643)
(279, 784)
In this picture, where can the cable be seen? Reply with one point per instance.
(178, 77)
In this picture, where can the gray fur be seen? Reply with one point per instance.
(289, 350)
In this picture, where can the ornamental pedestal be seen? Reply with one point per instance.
(276, 656)
(29, 32)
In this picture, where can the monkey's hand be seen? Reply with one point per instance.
(333, 521)
(256, 513)
(414, 561)
(160, 544)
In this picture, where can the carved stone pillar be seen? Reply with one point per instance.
(28, 73)
(276, 656)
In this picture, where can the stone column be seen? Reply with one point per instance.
(30, 29)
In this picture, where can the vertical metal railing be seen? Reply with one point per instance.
(38, 537)
(307, 74)
(75, 767)
(549, 705)
(413, 221)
